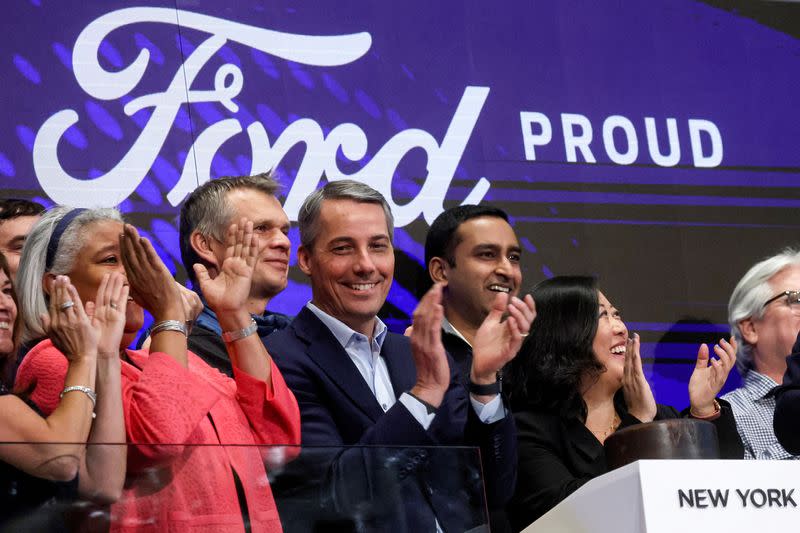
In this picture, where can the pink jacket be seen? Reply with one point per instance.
(171, 486)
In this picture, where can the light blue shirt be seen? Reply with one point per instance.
(366, 356)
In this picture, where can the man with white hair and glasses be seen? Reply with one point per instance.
(764, 315)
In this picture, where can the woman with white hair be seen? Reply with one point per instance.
(44, 461)
(179, 412)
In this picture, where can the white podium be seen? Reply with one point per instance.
(672, 496)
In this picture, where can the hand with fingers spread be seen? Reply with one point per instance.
(709, 376)
(67, 323)
(638, 394)
(151, 284)
(229, 290)
(497, 341)
(107, 313)
(430, 358)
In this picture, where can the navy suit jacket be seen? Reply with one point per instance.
(787, 403)
(338, 408)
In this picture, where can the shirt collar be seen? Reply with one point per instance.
(449, 328)
(343, 332)
(758, 385)
(266, 323)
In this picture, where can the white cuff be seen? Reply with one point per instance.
(417, 410)
(491, 412)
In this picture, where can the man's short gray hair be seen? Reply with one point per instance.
(207, 211)
(308, 217)
(30, 292)
(747, 299)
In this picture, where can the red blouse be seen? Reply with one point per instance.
(171, 486)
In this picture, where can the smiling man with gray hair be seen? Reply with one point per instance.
(358, 384)
(764, 315)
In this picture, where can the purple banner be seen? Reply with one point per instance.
(653, 144)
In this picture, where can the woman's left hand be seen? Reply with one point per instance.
(710, 375)
(638, 394)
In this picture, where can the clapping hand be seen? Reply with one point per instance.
(229, 290)
(151, 284)
(497, 341)
(192, 305)
(638, 395)
(709, 376)
(67, 324)
(107, 313)
(430, 358)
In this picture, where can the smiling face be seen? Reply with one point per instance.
(351, 262)
(486, 261)
(100, 255)
(8, 314)
(773, 335)
(271, 229)
(610, 341)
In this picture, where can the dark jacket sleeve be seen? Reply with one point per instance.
(320, 417)
(382, 460)
(544, 476)
(730, 443)
(787, 406)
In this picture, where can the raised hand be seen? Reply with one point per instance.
(497, 341)
(638, 395)
(709, 376)
(67, 324)
(107, 313)
(228, 292)
(430, 358)
(151, 284)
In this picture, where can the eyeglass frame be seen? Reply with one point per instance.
(784, 294)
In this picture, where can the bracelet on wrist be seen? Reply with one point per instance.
(488, 389)
(231, 336)
(169, 325)
(429, 407)
(86, 390)
(712, 416)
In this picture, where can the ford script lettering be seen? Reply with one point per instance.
(320, 157)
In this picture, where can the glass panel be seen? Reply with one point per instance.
(220, 488)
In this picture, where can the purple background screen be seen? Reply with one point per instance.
(667, 240)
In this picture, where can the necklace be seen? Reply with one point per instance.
(615, 422)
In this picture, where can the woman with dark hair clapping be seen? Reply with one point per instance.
(577, 379)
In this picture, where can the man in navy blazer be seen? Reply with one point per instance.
(359, 384)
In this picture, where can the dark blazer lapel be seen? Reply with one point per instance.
(323, 348)
(582, 440)
(396, 351)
